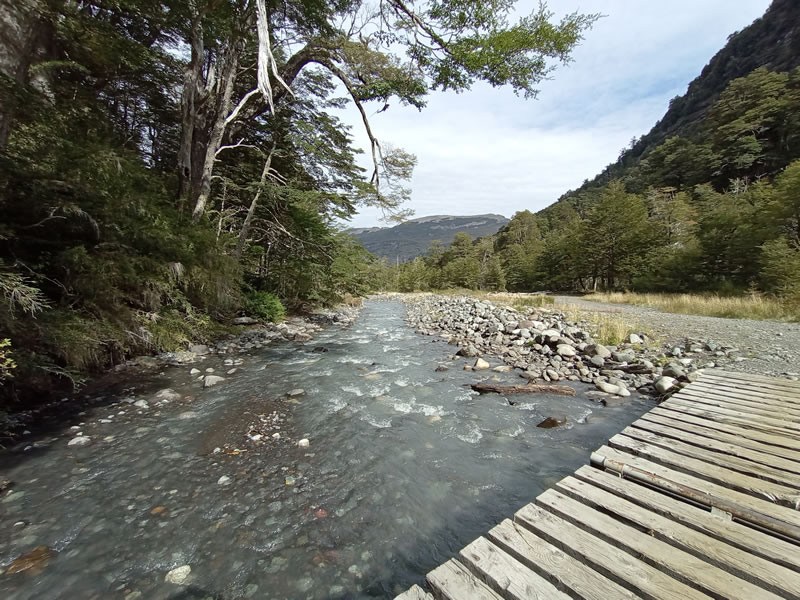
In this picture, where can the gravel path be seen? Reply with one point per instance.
(765, 347)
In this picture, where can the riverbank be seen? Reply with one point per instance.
(17, 426)
(543, 344)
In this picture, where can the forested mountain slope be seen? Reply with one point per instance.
(413, 237)
(772, 41)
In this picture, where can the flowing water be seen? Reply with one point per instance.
(405, 465)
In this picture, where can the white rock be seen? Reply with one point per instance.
(141, 404)
(224, 480)
(210, 380)
(232, 371)
(565, 350)
(276, 436)
(167, 395)
(610, 388)
(303, 443)
(178, 575)
(480, 365)
(664, 384)
(503, 369)
(635, 339)
(80, 441)
(296, 392)
(194, 371)
(256, 438)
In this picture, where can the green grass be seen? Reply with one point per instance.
(752, 306)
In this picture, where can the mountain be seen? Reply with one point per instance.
(772, 41)
(412, 238)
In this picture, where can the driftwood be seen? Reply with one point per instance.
(530, 388)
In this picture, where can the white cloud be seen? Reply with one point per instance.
(487, 150)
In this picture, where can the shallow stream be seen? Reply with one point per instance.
(405, 465)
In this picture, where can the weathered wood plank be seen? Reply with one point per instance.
(753, 421)
(728, 558)
(746, 538)
(759, 414)
(505, 575)
(789, 399)
(677, 562)
(626, 569)
(414, 593)
(787, 395)
(778, 410)
(780, 437)
(779, 445)
(715, 457)
(529, 388)
(541, 556)
(716, 441)
(720, 474)
(749, 378)
(453, 581)
(743, 506)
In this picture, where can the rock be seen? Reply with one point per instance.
(34, 561)
(441, 369)
(212, 380)
(304, 443)
(623, 357)
(224, 480)
(320, 349)
(598, 361)
(80, 441)
(553, 375)
(551, 422)
(166, 395)
(467, 351)
(565, 350)
(664, 384)
(295, 392)
(503, 369)
(276, 436)
(178, 575)
(635, 339)
(673, 370)
(480, 365)
(199, 349)
(302, 337)
(194, 372)
(598, 350)
(244, 321)
(610, 388)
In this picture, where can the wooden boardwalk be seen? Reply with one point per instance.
(699, 498)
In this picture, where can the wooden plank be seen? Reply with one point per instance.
(760, 414)
(414, 593)
(755, 421)
(714, 457)
(673, 559)
(744, 537)
(779, 444)
(780, 410)
(613, 562)
(720, 474)
(505, 575)
(742, 506)
(537, 554)
(787, 395)
(453, 581)
(718, 442)
(755, 570)
(776, 436)
(761, 380)
(786, 399)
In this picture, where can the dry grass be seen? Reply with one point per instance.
(610, 329)
(752, 306)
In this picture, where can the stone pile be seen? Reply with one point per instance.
(544, 345)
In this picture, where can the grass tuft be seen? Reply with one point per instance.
(752, 306)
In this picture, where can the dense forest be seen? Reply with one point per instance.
(715, 210)
(166, 164)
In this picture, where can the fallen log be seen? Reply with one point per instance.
(530, 388)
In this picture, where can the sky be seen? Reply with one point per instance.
(489, 151)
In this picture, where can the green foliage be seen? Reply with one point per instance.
(265, 306)
(7, 364)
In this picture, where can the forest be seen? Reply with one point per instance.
(717, 210)
(166, 165)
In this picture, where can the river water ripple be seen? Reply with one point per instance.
(405, 465)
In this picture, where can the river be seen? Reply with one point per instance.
(405, 465)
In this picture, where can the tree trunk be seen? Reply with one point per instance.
(222, 109)
(189, 98)
(251, 211)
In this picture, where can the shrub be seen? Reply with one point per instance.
(265, 306)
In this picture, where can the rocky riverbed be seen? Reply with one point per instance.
(542, 344)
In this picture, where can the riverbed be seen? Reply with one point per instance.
(404, 466)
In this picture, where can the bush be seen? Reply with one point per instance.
(265, 306)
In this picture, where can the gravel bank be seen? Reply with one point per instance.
(765, 347)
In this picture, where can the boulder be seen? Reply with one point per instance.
(480, 365)
(199, 349)
(211, 380)
(551, 422)
(565, 350)
(598, 350)
(244, 321)
(664, 384)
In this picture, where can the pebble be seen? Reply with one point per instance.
(178, 575)
(304, 443)
(80, 441)
(224, 480)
